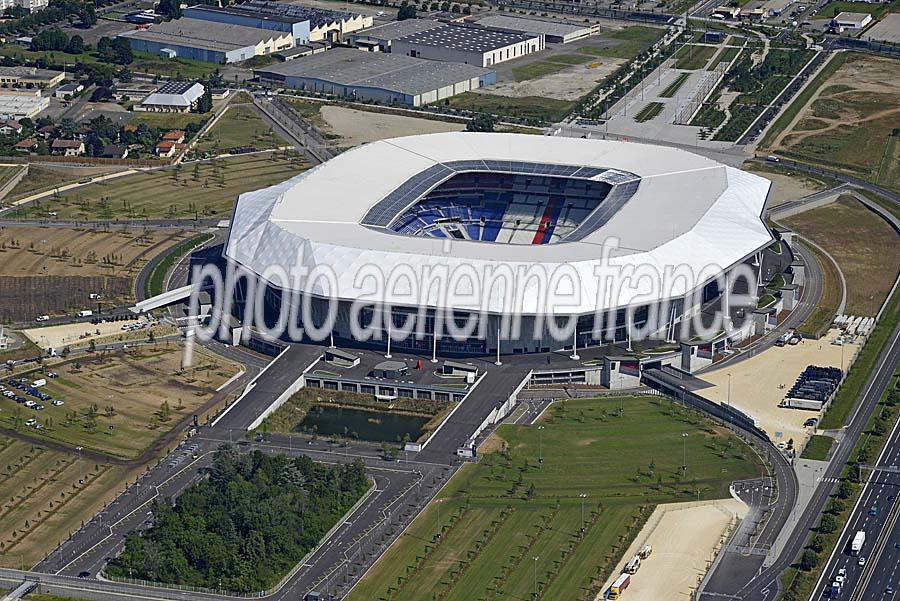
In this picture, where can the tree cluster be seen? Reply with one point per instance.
(246, 525)
(116, 51)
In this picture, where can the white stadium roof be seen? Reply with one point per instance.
(681, 210)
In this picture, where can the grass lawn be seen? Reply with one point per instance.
(178, 68)
(494, 516)
(672, 88)
(43, 500)
(144, 62)
(632, 41)
(823, 314)
(46, 177)
(156, 282)
(865, 247)
(852, 125)
(693, 57)
(533, 108)
(239, 126)
(831, 10)
(725, 56)
(7, 173)
(133, 385)
(169, 120)
(817, 448)
(203, 189)
(536, 69)
(650, 111)
(802, 99)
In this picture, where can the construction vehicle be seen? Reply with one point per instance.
(618, 586)
(645, 551)
(633, 565)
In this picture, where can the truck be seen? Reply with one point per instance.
(85, 313)
(619, 585)
(645, 551)
(859, 539)
(633, 565)
(808, 404)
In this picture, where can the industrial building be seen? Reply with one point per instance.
(11, 77)
(29, 5)
(377, 77)
(298, 27)
(322, 24)
(511, 204)
(379, 38)
(208, 41)
(468, 44)
(847, 20)
(173, 97)
(554, 31)
(19, 107)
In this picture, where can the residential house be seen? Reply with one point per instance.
(26, 145)
(69, 148)
(11, 127)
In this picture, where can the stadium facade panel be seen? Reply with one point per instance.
(600, 213)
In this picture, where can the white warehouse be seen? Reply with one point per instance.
(470, 45)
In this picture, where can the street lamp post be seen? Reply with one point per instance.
(684, 448)
(583, 496)
(540, 447)
(534, 595)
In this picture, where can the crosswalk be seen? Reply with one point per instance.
(828, 480)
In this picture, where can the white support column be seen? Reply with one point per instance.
(498, 362)
(574, 356)
(628, 334)
(331, 339)
(387, 355)
(434, 337)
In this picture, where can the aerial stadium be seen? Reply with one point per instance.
(508, 217)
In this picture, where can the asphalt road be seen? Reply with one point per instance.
(881, 491)
(766, 584)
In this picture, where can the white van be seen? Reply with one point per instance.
(40, 318)
(85, 313)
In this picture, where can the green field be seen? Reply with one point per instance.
(631, 42)
(672, 88)
(817, 448)
(203, 189)
(802, 99)
(725, 56)
(650, 111)
(156, 282)
(831, 10)
(692, 57)
(45, 177)
(169, 120)
(530, 108)
(536, 69)
(477, 540)
(239, 126)
(852, 124)
(144, 62)
(865, 246)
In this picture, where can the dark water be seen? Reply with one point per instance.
(368, 425)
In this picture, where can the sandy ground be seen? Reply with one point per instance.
(569, 84)
(75, 333)
(359, 127)
(756, 383)
(886, 30)
(684, 537)
(788, 187)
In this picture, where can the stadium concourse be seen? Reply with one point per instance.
(489, 204)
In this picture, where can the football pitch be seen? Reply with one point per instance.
(509, 525)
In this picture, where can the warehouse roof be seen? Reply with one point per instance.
(848, 17)
(467, 38)
(240, 11)
(399, 29)
(531, 25)
(345, 66)
(197, 33)
(316, 16)
(176, 93)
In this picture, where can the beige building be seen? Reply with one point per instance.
(11, 77)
